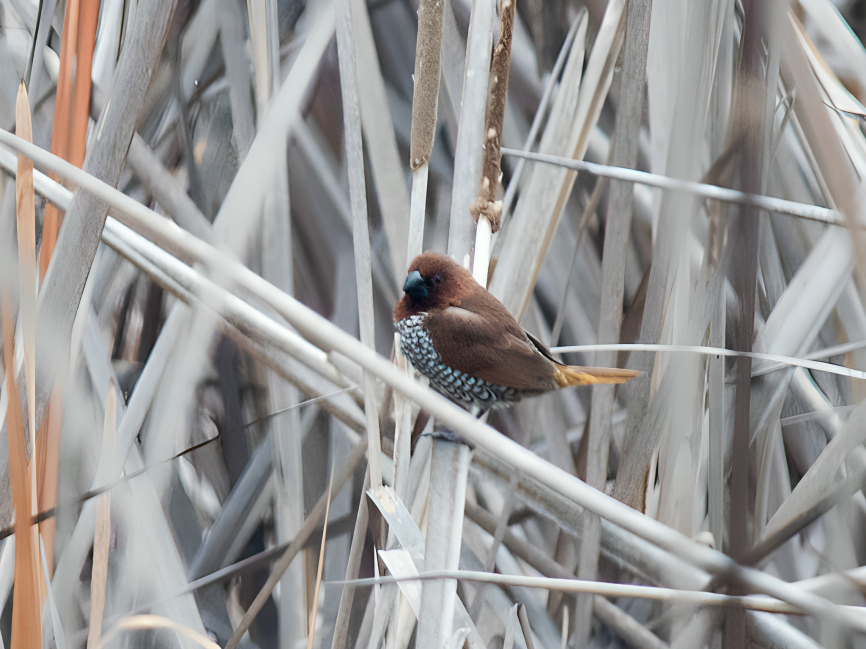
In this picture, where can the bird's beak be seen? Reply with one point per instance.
(415, 286)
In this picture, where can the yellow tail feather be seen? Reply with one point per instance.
(567, 375)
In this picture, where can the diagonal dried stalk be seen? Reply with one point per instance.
(312, 628)
(102, 535)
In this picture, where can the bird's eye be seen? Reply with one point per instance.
(437, 279)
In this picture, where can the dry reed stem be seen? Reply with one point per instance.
(80, 114)
(769, 203)
(468, 156)
(312, 628)
(71, 108)
(359, 536)
(26, 626)
(691, 597)
(102, 534)
(360, 227)
(26, 224)
(59, 636)
(48, 452)
(523, 618)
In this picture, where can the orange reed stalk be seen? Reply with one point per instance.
(26, 625)
(68, 141)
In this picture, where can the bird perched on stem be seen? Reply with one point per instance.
(470, 347)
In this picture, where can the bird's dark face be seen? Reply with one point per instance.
(419, 288)
(434, 281)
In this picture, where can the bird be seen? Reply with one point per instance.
(471, 348)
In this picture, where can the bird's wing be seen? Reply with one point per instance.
(491, 349)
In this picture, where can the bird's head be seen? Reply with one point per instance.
(434, 281)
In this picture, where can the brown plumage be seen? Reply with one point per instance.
(469, 345)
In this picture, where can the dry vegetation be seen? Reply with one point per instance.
(206, 430)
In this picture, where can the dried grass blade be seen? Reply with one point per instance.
(59, 636)
(257, 12)
(468, 158)
(359, 536)
(65, 78)
(48, 452)
(26, 221)
(693, 597)
(43, 32)
(625, 626)
(360, 227)
(524, 626)
(71, 108)
(26, 625)
(509, 627)
(80, 114)
(25, 207)
(312, 629)
(706, 190)
(448, 474)
(567, 133)
(577, 26)
(813, 490)
(564, 626)
(296, 545)
(381, 140)
(102, 533)
(616, 238)
(828, 150)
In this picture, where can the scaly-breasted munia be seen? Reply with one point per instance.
(470, 347)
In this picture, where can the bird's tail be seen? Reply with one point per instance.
(567, 375)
